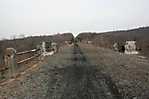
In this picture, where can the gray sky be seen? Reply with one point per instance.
(38, 17)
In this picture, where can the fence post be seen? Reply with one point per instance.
(54, 47)
(10, 61)
(42, 50)
(44, 47)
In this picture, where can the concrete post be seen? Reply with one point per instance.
(54, 47)
(44, 47)
(115, 46)
(130, 47)
(43, 50)
(10, 61)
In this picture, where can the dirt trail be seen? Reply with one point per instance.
(66, 75)
(81, 80)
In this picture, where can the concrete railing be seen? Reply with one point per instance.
(11, 56)
(13, 59)
(20, 53)
(35, 51)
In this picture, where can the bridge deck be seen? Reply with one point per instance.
(80, 72)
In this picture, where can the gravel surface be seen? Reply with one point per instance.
(130, 73)
(82, 72)
(34, 84)
(81, 80)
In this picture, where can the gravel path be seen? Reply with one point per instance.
(81, 80)
(34, 84)
(78, 72)
(130, 73)
(67, 75)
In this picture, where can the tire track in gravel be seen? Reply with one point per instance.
(80, 80)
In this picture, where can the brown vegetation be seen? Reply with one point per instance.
(107, 39)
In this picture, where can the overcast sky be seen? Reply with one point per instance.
(38, 17)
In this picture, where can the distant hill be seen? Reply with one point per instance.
(107, 39)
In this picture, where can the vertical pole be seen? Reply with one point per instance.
(44, 48)
(54, 47)
(10, 61)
